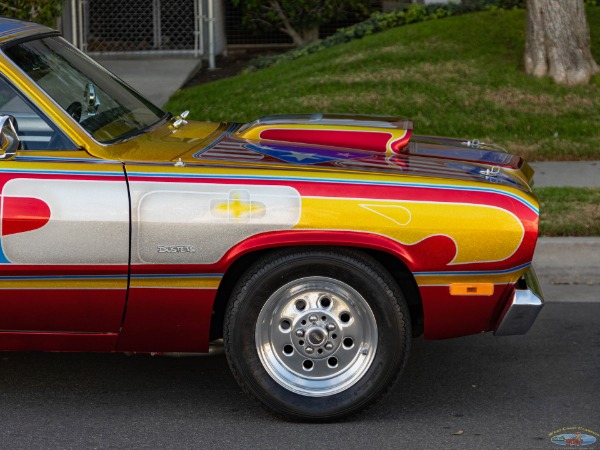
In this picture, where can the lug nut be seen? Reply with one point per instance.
(329, 346)
(310, 350)
(300, 333)
(330, 327)
(313, 318)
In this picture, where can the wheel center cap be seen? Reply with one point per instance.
(316, 336)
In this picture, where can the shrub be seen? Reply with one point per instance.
(41, 11)
(376, 23)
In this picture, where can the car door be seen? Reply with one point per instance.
(64, 232)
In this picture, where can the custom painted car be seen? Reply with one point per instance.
(315, 246)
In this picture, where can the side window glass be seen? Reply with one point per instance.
(34, 130)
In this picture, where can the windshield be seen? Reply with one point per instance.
(102, 104)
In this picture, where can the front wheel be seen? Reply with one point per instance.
(317, 334)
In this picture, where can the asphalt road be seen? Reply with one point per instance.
(504, 393)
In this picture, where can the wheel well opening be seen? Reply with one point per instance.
(226, 286)
(396, 267)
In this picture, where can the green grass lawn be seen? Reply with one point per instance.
(461, 76)
(569, 211)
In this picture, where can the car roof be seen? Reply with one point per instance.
(15, 29)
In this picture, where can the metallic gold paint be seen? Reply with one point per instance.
(441, 279)
(174, 282)
(163, 144)
(55, 167)
(469, 226)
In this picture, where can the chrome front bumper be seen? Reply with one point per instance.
(526, 302)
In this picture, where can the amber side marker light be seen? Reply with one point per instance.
(472, 289)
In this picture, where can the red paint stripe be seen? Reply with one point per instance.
(360, 140)
(21, 214)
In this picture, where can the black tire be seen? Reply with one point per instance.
(331, 280)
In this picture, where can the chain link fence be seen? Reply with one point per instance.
(117, 27)
(141, 26)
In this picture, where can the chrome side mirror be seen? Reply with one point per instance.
(92, 101)
(9, 140)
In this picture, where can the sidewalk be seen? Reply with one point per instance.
(566, 173)
(569, 259)
(569, 269)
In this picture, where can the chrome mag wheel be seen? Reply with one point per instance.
(316, 336)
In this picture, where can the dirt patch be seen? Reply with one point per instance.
(527, 151)
(351, 58)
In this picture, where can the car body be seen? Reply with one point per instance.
(316, 245)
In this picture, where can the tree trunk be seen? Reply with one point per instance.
(300, 38)
(310, 35)
(558, 42)
(286, 24)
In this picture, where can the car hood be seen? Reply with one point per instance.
(327, 143)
